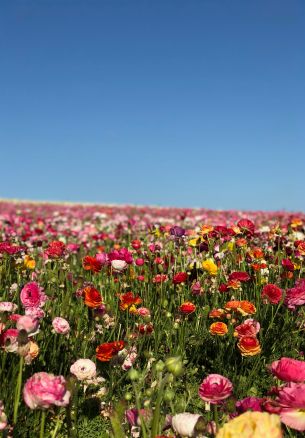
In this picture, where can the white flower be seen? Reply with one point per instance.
(118, 265)
(83, 369)
(184, 424)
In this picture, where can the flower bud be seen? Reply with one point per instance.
(133, 374)
(174, 365)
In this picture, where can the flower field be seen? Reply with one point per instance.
(151, 322)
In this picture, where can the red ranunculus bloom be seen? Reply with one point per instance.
(128, 299)
(240, 276)
(55, 249)
(288, 265)
(180, 277)
(246, 226)
(272, 293)
(92, 297)
(91, 264)
(106, 351)
(187, 307)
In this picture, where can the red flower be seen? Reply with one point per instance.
(187, 307)
(128, 299)
(246, 226)
(180, 277)
(145, 328)
(160, 278)
(223, 288)
(55, 249)
(92, 297)
(288, 265)
(272, 293)
(91, 264)
(240, 276)
(105, 352)
(136, 244)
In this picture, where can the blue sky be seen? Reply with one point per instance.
(164, 102)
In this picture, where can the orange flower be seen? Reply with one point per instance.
(106, 351)
(187, 307)
(232, 305)
(129, 301)
(206, 229)
(246, 308)
(92, 296)
(91, 264)
(233, 284)
(257, 253)
(249, 346)
(218, 328)
(241, 242)
(216, 313)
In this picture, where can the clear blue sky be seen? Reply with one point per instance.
(169, 102)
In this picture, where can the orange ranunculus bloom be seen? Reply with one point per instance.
(232, 305)
(187, 307)
(258, 253)
(249, 346)
(128, 300)
(241, 242)
(246, 308)
(233, 284)
(218, 328)
(106, 351)
(206, 229)
(92, 297)
(91, 264)
(216, 313)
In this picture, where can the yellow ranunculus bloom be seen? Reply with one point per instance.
(252, 425)
(230, 246)
(210, 266)
(29, 263)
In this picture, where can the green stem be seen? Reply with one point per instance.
(42, 423)
(18, 390)
(215, 414)
(156, 417)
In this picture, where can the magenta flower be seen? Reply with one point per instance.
(9, 340)
(43, 390)
(32, 295)
(121, 254)
(289, 370)
(296, 295)
(61, 325)
(292, 395)
(215, 388)
(249, 404)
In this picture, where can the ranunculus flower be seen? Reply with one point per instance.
(129, 357)
(83, 369)
(133, 416)
(102, 258)
(210, 266)
(196, 288)
(32, 295)
(9, 340)
(177, 231)
(106, 351)
(296, 295)
(43, 390)
(218, 328)
(292, 395)
(246, 308)
(129, 301)
(55, 249)
(215, 388)
(249, 327)
(121, 254)
(240, 276)
(187, 307)
(252, 425)
(272, 293)
(92, 297)
(289, 370)
(7, 306)
(249, 404)
(92, 264)
(180, 277)
(246, 226)
(249, 346)
(61, 325)
(288, 265)
(118, 265)
(28, 323)
(184, 424)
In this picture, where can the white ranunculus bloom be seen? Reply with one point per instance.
(118, 265)
(83, 369)
(184, 424)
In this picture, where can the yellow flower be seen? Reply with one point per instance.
(230, 246)
(194, 241)
(210, 266)
(29, 263)
(252, 425)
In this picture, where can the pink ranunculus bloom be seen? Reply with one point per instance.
(249, 404)
(143, 311)
(289, 370)
(29, 324)
(32, 295)
(7, 306)
(102, 258)
(293, 418)
(8, 340)
(249, 327)
(61, 325)
(139, 261)
(215, 388)
(296, 295)
(133, 416)
(43, 390)
(121, 254)
(292, 395)
(35, 312)
(130, 358)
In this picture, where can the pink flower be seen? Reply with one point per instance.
(292, 395)
(215, 388)
(35, 312)
(3, 417)
(61, 325)
(7, 306)
(43, 390)
(121, 254)
(249, 404)
(102, 258)
(296, 295)
(8, 340)
(294, 418)
(133, 416)
(32, 295)
(29, 324)
(289, 370)
(130, 358)
(249, 327)
(143, 311)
